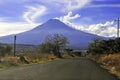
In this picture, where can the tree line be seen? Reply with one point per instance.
(57, 43)
(100, 46)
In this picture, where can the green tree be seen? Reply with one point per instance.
(105, 46)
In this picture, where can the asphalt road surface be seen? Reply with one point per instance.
(67, 69)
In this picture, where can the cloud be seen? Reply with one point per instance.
(76, 4)
(105, 5)
(107, 29)
(33, 13)
(66, 5)
(12, 1)
(8, 28)
(2, 19)
(37, 10)
(67, 18)
(99, 0)
(30, 16)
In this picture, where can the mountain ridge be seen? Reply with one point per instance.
(37, 35)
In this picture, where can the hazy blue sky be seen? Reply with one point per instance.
(93, 16)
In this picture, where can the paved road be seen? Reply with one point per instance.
(67, 69)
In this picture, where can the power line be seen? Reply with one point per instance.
(118, 21)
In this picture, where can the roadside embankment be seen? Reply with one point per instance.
(110, 62)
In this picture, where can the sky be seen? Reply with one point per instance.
(92, 16)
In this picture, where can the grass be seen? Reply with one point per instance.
(39, 57)
(110, 62)
(32, 58)
(43, 57)
(9, 61)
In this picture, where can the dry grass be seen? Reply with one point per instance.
(31, 58)
(39, 57)
(110, 62)
(94, 57)
(9, 61)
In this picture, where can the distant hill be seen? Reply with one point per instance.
(77, 38)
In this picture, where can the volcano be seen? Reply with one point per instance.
(37, 35)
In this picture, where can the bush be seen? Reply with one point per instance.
(112, 60)
(104, 46)
(5, 50)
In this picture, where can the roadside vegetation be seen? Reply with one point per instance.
(52, 48)
(6, 58)
(107, 53)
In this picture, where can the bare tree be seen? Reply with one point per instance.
(54, 44)
(59, 42)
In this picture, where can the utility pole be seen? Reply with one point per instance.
(118, 21)
(14, 45)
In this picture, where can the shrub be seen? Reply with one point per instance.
(5, 50)
(112, 60)
(104, 46)
(39, 57)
